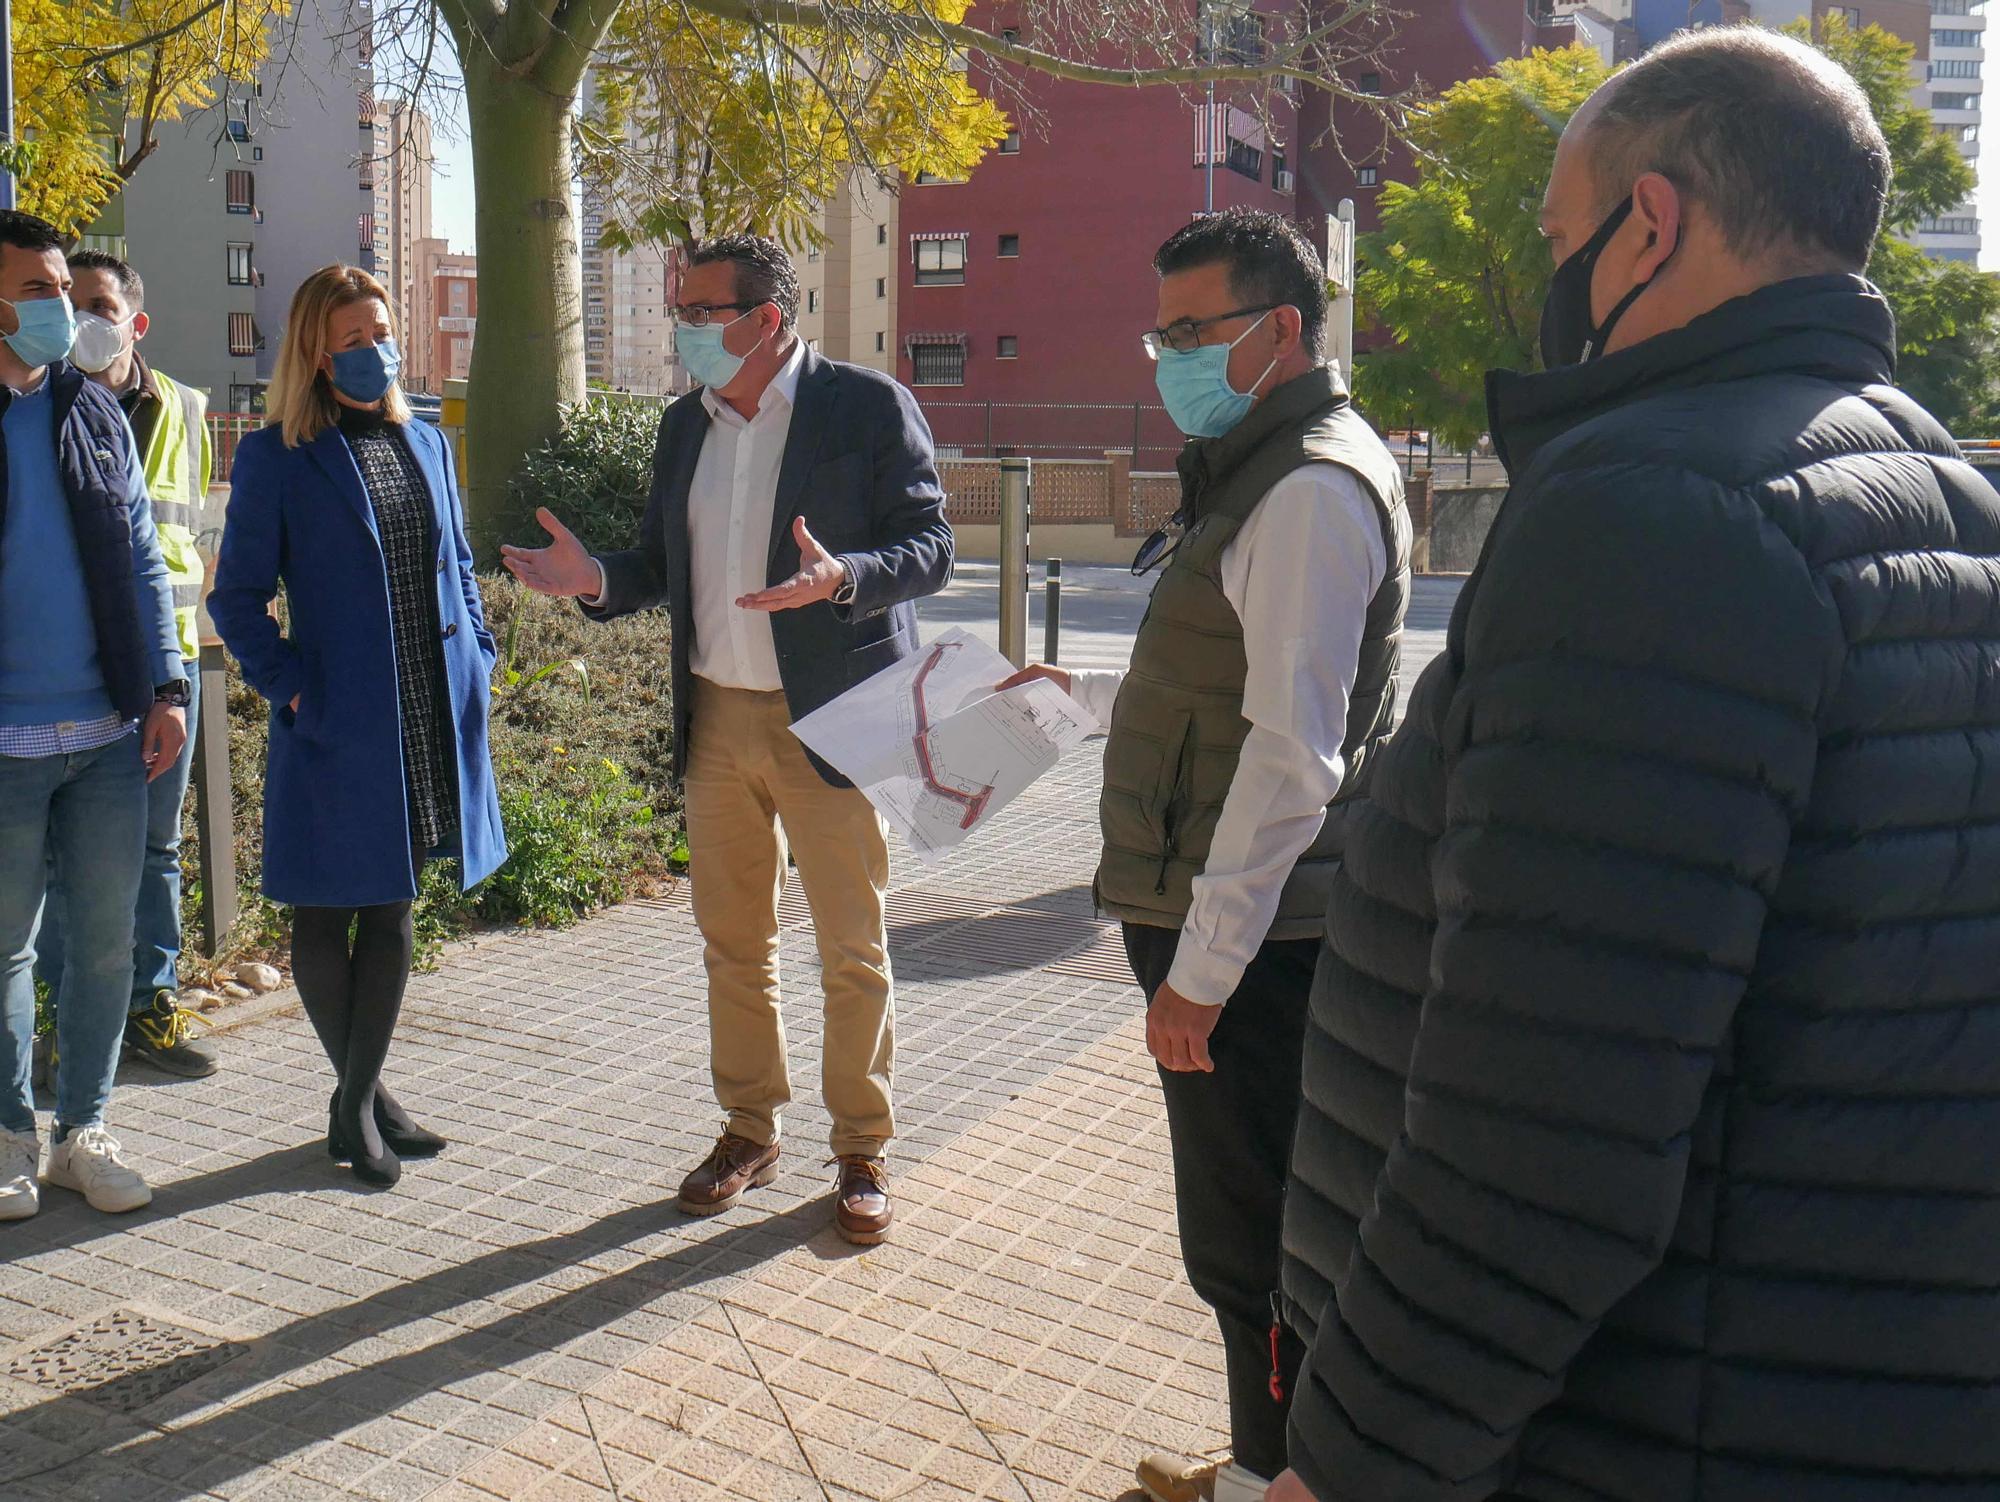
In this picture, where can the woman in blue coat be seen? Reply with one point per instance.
(379, 688)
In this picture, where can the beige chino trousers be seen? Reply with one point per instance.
(749, 792)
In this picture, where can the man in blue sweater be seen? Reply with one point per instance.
(88, 654)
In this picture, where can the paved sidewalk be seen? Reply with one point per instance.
(528, 1317)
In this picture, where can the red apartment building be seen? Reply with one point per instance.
(1024, 290)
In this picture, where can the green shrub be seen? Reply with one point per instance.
(594, 474)
(583, 764)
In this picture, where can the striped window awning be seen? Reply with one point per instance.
(911, 341)
(941, 234)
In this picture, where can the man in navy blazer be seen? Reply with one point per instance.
(795, 517)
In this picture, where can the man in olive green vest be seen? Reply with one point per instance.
(1262, 675)
(169, 421)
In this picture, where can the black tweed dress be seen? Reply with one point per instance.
(403, 516)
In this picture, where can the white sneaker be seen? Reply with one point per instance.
(87, 1161)
(20, 1165)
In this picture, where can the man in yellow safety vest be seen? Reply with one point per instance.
(169, 421)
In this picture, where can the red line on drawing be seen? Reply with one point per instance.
(974, 803)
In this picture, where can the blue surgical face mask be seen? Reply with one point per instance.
(367, 373)
(48, 329)
(1194, 384)
(702, 353)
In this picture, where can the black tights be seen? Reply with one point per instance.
(353, 992)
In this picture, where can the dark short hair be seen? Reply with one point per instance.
(26, 232)
(1772, 138)
(1269, 259)
(763, 271)
(121, 272)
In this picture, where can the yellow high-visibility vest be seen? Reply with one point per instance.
(178, 461)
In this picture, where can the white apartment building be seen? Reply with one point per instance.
(1957, 60)
(238, 205)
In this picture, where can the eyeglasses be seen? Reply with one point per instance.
(1159, 547)
(1183, 335)
(697, 315)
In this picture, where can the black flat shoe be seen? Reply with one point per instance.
(382, 1172)
(402, 1135)
(336, 1145)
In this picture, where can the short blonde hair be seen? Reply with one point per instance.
(300, 401)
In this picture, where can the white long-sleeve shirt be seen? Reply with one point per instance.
(731, 501)
(1300, 574)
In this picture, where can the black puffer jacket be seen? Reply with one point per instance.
(1656, 1047)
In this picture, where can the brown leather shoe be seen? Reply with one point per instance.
(733, 1165)
(861, 1207)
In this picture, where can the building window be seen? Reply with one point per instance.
(1954, 7)
(1965, 132)
(1365, 176)
(1955, 38)
(239, 130)
(1953, 224)
(1010, 144)
(940, 263)
(1008, 347)
(1281, 173)
(240, 188)
(937, 365)
(881, 343)
(1368, 83)
(1010, 245)
(1009, 34)
(812, 299)
(242, 334)
(1238, 38)
(881, 286)
(239, 263)
(1245, 160)
(1956, 67)
(881, 234)
(246, 398)
(1954, 101)
(812, 253)
(1848, 13)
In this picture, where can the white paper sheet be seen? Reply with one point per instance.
(935, 749)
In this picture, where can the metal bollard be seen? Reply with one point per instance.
(1014, 491)
(1052, 611)
(213, 804)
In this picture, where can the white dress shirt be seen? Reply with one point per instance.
(1300, 574)
(730, 502)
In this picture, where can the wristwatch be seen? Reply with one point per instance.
(844, 595)
(175, 693)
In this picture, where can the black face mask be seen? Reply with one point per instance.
(1568, 335)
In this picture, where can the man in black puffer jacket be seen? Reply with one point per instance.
(1651, 1147)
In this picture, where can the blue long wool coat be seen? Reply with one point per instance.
(336, 822)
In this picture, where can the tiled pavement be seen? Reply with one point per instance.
(527, 1317)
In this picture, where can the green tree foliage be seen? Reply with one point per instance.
(1946, 311)
(1457, 273)
(1458, 270)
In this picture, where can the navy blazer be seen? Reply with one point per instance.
(336, 813)
(859, 467)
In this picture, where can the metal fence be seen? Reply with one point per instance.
(1052, 430)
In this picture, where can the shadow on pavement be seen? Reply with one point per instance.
(234, 1441)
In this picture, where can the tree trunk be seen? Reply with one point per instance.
(527, 359)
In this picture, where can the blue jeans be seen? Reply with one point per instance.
(90, 809)
(156, 927)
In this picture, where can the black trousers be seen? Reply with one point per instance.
(1232, 1142)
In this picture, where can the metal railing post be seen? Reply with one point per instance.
(1052, 612)
(214, 816)
(1014, 493)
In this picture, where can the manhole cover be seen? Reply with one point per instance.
(123, 1361)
